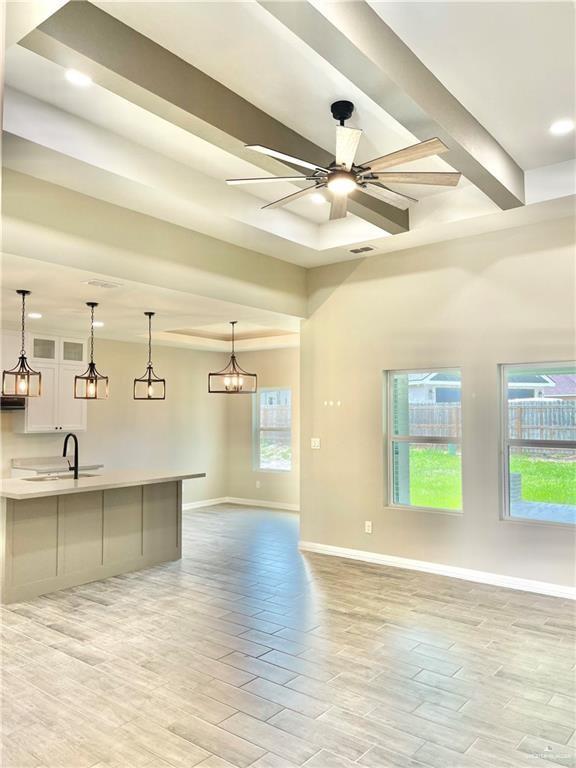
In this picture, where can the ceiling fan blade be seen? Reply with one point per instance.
(233, 182)
(284, 158)
(388, 195)
(347, 140)
(292, 197)
(403, 177)
(407, 155)
(338, 207)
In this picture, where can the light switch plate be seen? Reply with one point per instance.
(315, 443)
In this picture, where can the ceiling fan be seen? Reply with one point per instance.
(343, 175)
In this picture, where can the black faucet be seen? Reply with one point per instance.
(75, 467)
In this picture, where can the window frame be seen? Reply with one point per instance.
(390, 438)
(506, 442)
(257, 430)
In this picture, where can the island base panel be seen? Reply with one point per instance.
(61, 541)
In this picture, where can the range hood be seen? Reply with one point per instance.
(12, 403)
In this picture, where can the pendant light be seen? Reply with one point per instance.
(149, 386)
(91, 385)
(232, 380)
(22, 381)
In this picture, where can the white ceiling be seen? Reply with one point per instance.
(94, 141)
(59, 294)
(98, 143)
(511, 64)
(242, 46)
(180, 178)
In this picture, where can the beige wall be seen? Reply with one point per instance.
(185, 432)
(276, 368)
(501, 297)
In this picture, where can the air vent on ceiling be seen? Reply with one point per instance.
(97, 283)
(362, 249)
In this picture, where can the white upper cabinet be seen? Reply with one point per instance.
(59, 360)
(71, 412)
(41, 414)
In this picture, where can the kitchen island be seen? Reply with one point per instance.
(61, 532)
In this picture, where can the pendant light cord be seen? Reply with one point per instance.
(91, 334)
(23, 349)
(233, 324)
(149, 341)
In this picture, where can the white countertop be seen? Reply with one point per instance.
(22, 488)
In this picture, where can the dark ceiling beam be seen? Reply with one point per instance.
(131, 65)
(358, 43)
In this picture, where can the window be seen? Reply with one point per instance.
(424, 439)
(539, 436)
(273, 430)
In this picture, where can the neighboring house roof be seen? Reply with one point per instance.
(529, 380)
(556, 385)
(446, 379)
(564, 385)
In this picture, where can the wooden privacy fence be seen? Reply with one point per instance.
(435, 419)
(528, 420)
(542, 420)
(275, 416)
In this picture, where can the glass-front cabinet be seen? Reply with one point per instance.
(57, 349)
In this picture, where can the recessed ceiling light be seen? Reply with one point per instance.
(34, 315)
(318, 198)
(562, 127)
(98, 324)
(78, 78)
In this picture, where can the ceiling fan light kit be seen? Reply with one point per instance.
(343, 176)
(341, 183)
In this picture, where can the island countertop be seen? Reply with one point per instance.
(23, 488)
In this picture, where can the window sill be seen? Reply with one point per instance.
(272, 471)
(532, 521)
(433, 510)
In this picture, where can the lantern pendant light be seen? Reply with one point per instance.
(232, 380)
(91, 385)
(22, 381)
(149, 386)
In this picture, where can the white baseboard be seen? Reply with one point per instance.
(262, 503)
(243, 502)
(206, 503)
(483, 577)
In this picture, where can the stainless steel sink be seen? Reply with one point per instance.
(49, 478)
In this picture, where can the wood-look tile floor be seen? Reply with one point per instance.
(247, 653)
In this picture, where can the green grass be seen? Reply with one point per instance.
(548, 480)
(435, 479)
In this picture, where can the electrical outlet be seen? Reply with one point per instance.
(367, 526)
(315, 443)
(258, 483)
